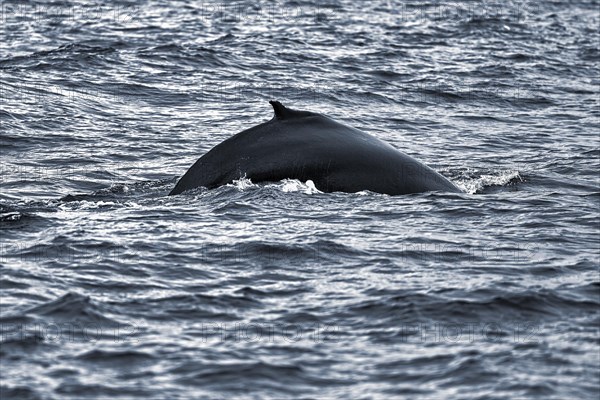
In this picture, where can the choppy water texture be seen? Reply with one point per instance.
(112, 289)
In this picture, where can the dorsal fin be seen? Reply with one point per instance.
(280, 110)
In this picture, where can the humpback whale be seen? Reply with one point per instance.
(306, 146)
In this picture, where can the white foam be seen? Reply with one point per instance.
(475, 185)
(294, 185)
(242, 183)
(285, 185)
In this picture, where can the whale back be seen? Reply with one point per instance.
(304, 145)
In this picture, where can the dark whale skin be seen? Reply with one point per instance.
(309, 146)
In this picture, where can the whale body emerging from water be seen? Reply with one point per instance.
(309, 146)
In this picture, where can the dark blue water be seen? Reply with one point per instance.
(112, 289)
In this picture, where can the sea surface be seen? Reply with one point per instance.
(110, 289)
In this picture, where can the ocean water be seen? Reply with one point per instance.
(112, 289)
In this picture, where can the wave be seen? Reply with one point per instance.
(490, 306)
(75, 308)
